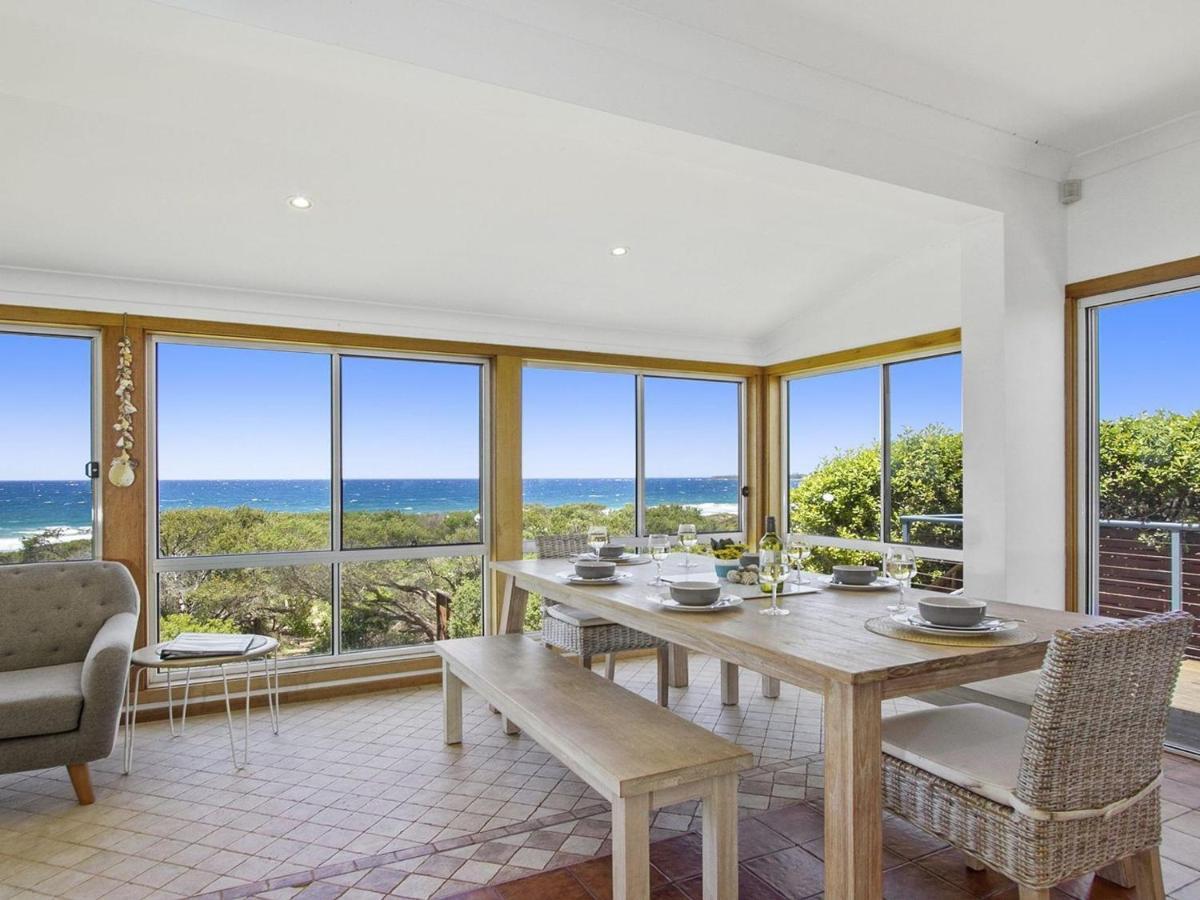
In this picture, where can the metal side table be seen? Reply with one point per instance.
(264, 650)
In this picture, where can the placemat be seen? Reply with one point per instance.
(885, 626)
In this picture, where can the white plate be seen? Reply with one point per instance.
(906, 619)
(879, 584)
(721, 603)
(572, 578)
(988, 623)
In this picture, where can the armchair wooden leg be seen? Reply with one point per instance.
(1148, 869)
(81, 780)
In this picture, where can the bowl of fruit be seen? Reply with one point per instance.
(727, 556)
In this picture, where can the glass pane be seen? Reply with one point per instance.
(45, 506)
(833, 454)
(243, 450)
(1148, 391)
(397, 603)
(926, 460)
(291, 603)
(692, 454)
(579, 451)
(410, 453)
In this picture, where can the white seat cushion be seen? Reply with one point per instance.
(573, 616)
(973, 746)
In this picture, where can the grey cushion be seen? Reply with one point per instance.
(46, 700)
(51, 612)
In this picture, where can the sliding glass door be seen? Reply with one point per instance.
(1141, 437)
(48, 488)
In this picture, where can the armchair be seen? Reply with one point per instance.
(66, 634)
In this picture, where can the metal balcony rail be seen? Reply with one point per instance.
(1175, 529)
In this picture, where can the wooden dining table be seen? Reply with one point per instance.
(823, 646)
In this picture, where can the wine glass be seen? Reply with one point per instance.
(687, 537)
(660, 546)
(798, 554)
(597, 537)
(772, 571)
(900, 563)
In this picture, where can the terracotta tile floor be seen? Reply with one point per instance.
(359, 798)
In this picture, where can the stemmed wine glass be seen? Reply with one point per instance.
(597, 537)
(687, 537)
(660, 545)
(900, 563)
(772, 572)
(798, 554)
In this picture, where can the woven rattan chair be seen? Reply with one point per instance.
(1073, 789)
(575, 631)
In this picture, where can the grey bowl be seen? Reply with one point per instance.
(612, 551)
(748, 559)
(955, 611)
(855, 574)
(695, 593)
(595, 568)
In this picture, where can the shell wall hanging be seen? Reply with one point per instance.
(121, 469)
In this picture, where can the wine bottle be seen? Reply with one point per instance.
(771, 563)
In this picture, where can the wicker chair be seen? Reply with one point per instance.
(1075, 788)
(575, 631)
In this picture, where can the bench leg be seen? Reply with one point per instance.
(720, 835)
(451, 705)
(509, 727)
(770, 687)
(664, 675)
(679, 666)
(631, 848)
(729, 683)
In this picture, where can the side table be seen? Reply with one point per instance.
(264, 649)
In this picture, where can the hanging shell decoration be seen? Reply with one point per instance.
(120, 470)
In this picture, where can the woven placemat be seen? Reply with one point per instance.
(885, 626)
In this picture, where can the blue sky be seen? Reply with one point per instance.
(840, 410)
(1148, 356)
(49, 413)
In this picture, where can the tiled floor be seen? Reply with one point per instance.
(359, 798)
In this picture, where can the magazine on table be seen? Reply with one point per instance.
(190, 644)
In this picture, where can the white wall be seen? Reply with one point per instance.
(1139, 214)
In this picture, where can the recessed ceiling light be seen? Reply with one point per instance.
(299, 202)
(619, 251)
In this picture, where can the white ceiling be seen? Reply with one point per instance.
(148, 142)
(1072, 74)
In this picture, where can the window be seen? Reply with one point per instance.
(47, 501)
(1141, 443)
(332, 500)
(584, 432)
(875, 457)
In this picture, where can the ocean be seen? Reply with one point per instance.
(27, 507)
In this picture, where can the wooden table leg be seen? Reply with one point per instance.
(512, 621)
(729, 683)
(631, 847)
(664, 668)
(679, 666)
(720, 837)
(853, 791)
(451, 705)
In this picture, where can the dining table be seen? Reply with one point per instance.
(822, 645)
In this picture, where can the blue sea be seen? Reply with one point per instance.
(27, 507)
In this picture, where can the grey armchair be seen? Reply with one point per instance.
(66, 634)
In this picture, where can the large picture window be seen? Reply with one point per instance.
(47, 500)
(875, 457)
(641, 454)
(332, 500)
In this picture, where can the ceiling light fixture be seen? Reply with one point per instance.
(299, 202)
(619, 251)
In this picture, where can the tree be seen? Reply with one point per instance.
(1150, 467)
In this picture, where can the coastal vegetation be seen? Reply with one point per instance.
(1150, 469)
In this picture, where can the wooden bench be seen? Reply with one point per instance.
(635, 754)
